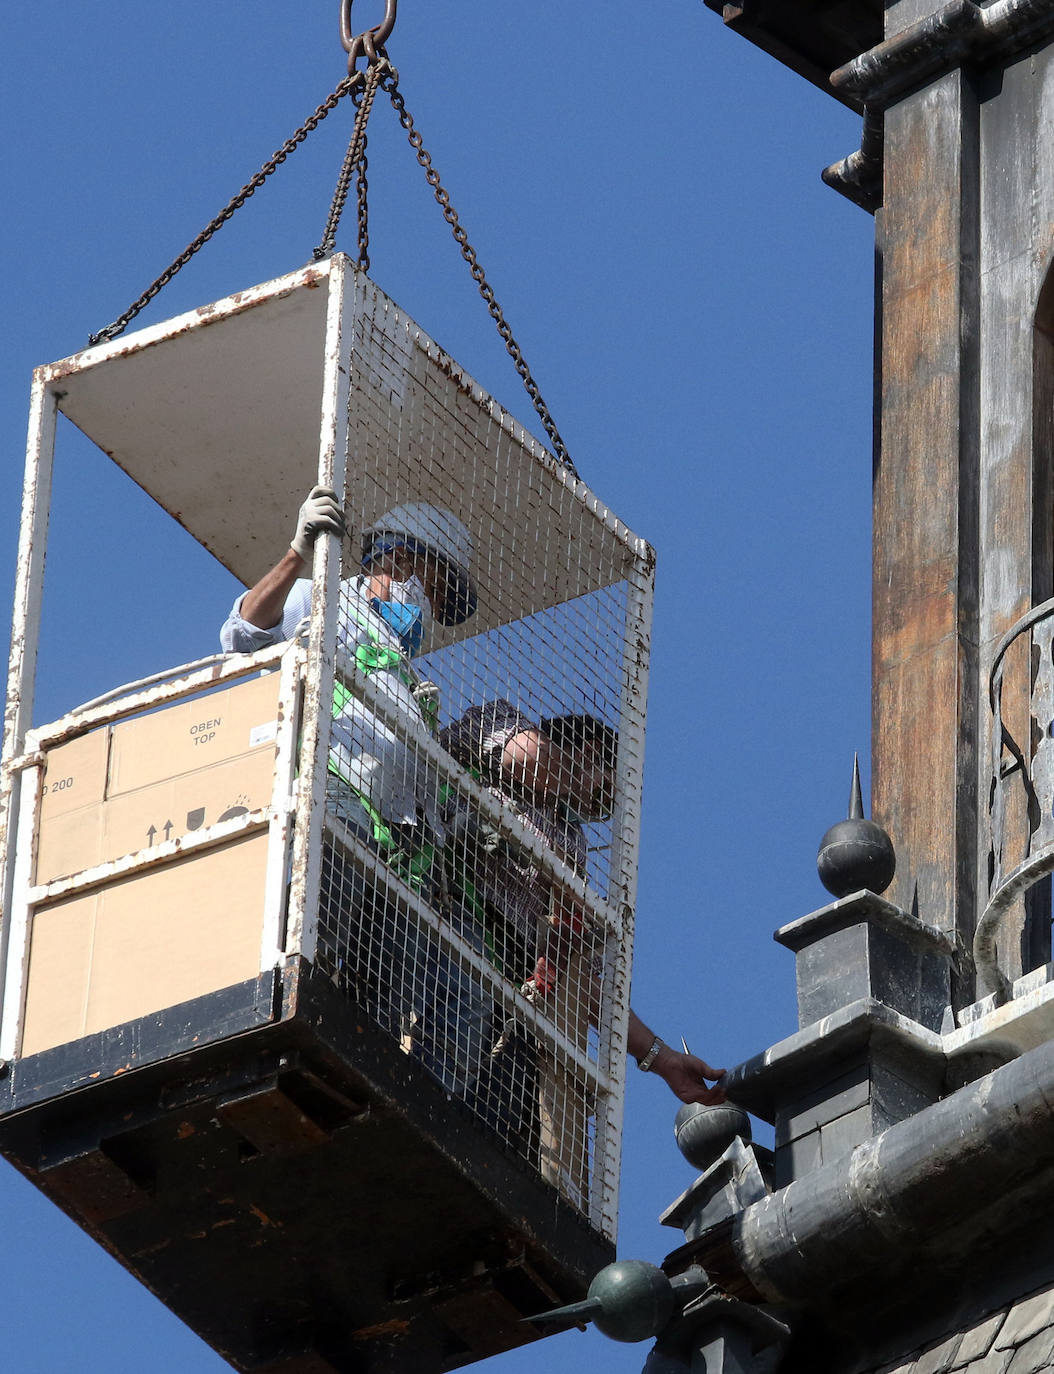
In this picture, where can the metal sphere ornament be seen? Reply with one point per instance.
(704, 1133)
(856, 853)
(633, 1300)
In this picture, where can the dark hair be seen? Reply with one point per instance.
(576, 733)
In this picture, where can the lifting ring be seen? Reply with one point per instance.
(370, 42)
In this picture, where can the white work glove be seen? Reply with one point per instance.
(321, 511)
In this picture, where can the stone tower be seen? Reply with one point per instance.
(903, 1221)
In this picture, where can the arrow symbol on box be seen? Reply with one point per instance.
(168, 829)
(150, 835)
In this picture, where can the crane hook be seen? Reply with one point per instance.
(370, 41)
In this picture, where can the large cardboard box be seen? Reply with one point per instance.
(178, 930)
(145, 942)
(136, 784)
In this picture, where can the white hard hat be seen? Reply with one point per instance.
(424, 528)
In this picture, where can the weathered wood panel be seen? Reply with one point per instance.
(925, 595)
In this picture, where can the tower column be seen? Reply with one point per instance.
(927, 473)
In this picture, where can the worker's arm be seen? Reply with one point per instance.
(262, 605)
(686, 1075)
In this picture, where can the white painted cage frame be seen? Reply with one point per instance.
(343, 351)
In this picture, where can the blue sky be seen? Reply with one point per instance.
(643, 190)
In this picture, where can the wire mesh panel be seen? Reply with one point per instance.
(463, 829)
(362, 909)
(485, 756)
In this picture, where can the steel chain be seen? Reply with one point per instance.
(390, 83)
(291, 144)
(362, 187)
(372, 41)
(355, 163)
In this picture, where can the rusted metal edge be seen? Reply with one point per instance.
(315, 274)
(635, 544)
(959, 31)
(625, 839)
(306, 865)
(113, 708)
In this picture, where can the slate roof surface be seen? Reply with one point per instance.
(1018, 1339)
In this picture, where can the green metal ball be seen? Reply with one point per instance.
(636, 1300)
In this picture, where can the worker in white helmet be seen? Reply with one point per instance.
(416, 560)
(415, 567)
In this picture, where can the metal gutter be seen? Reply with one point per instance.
(964, 1164)
(959, 32)
(858, 177)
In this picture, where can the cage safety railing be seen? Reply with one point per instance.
(450, 840)
(1024, 770)
(420, 963)
(486, 950)
(397, 950)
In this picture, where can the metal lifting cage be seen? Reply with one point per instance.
(336, 928)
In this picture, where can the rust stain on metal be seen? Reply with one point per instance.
(261, 1216)
(397, 1326)
(153, 1249)
(185, 1130)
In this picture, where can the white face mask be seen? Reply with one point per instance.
(412, 593)
(407, 613)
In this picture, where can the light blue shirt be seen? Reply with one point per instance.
(238, 636)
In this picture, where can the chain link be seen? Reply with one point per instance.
(362, 188)
(355, 163)
(372, 41)
(390, 83)
(378, 74)
(350, 83)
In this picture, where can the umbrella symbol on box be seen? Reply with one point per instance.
(195, 818)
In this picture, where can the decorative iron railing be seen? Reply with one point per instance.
(1025, 770)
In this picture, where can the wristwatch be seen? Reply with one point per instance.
(649, 1059)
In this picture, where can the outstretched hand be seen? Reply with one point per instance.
(689, 1077)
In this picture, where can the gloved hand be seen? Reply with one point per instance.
(321, 511)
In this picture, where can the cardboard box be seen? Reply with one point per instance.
(187, 927)
(148, 816)
(143, 781)
(75, 775)
(145, 942)
(193, 735)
